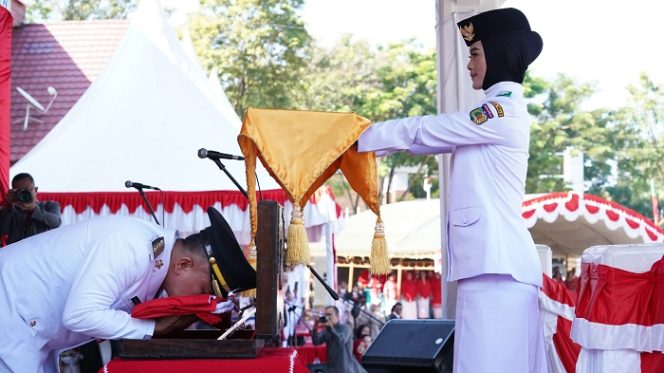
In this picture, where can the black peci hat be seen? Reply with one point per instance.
(509, 43)
(230, 269)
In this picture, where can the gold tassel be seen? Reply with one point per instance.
(298, 244)
(379, 261)
(251, 258)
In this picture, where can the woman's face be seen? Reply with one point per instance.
(477, 65)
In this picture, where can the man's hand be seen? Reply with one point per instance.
(26, 206)
(169, 324)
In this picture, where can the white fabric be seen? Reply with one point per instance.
(316, 216)
(635, 337)
(67, 286)
(486, 233)
(550, 310)
(598, 361)
(408, 310)
(632, 258)
(498, 327)
(437, 311)
(423, 308)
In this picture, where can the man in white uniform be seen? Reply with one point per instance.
(70, 285)
(491, 254)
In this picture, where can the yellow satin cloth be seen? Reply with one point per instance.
(302, 149)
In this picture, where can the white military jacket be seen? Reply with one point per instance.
(489, 146)
(75, 283)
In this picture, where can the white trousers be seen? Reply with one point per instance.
(498, 327)
(409, 309)
(423, 308)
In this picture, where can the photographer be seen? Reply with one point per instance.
(339, 342)
(23, 215)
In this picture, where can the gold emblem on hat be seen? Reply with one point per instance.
(467, 31)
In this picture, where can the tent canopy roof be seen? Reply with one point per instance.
(567, 222)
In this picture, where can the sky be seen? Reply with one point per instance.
(606, 42)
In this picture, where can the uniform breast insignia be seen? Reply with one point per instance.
(481, 114)
(499, 108)
(504, 94)
(157, 246)
(158, 263)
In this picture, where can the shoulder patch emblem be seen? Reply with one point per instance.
(499, 109)
(477, 116)
(504, 94)
(158, 246)
(481, 114)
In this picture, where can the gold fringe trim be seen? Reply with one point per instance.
(379, 261)
(298, 244)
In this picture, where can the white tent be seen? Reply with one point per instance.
(567, 222)
(144, 120)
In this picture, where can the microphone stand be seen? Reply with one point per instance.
(223, 168)
(293, 336)
(147, 202)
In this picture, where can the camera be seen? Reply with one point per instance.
(23, 195)
(322, 319)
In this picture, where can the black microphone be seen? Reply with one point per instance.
(204, 153)
(131, 184)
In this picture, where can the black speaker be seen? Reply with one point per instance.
(412, 346)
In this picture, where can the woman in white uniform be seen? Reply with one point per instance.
(491, 253)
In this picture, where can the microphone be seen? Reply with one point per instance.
(131, 184)
(204, 153)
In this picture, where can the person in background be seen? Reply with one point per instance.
(423, 296)
(23, 215)
(409, 296)
(361, 332)
(390, 293)
(338, 339)
(396, 312)
(436, 295)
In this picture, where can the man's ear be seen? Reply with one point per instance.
(183, 263)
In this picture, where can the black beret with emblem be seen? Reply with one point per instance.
(509, 43)
(230, 269)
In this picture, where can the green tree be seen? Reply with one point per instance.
(638, 156)
(561, 123)
(76, 10)
(97, 9)
(260, 46)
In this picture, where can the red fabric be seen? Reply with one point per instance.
(200, 304)
(363, 278)
(186, 200)
(268, 360)
(567, 350)
(652, 362)
(613, 296)
(424, 288)
(5, 98)
(557, 291)
(175, 306)
(307, 354)
(408, 289)
(436, 291)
